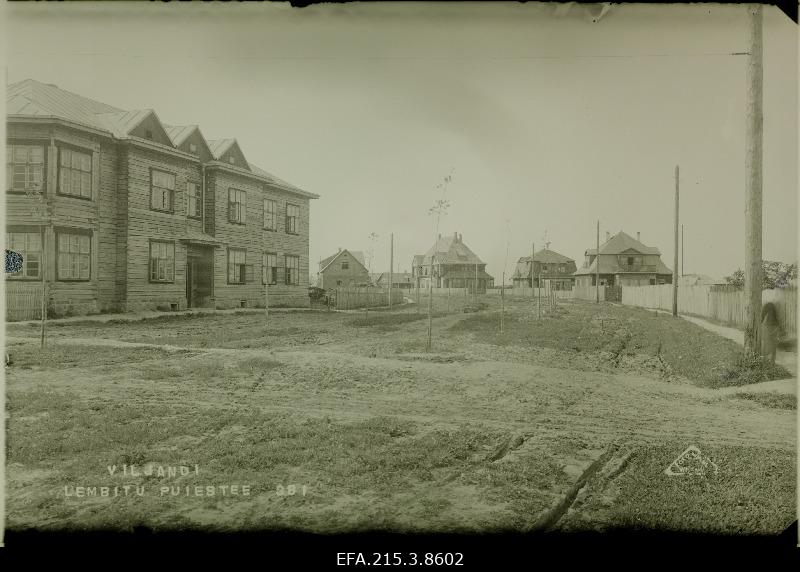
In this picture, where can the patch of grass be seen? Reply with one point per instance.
(753, 492)
(258, 365)
(388, 322)
(770, 399)
(30, 355)
(194, 371)
(749, 369)
(683, 348)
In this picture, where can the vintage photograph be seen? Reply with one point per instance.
(400, 267)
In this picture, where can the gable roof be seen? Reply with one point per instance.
(219, 147)
(357, 254)
(180, 133)
(450, 250)
(31, 98)
(611, 266)
(544, 256)
(621, 242)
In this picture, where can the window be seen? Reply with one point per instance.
(292, 214)
(162, 261)
(74, 173)
(544, 267)
(270, 214)
(24, 168)
(345, 265)
(239, 272)
(232, 159)
(192, 148)
(292, 270)
(73, 256)
(270, 273)
(236, 206)
(338, 282)
(162, 190)
(148, 134)
(194, 201)
(562, 268)
(29, 245)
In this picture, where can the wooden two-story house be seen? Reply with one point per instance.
(454, 266)
(624, 261)
(551, 270)
(139, 214)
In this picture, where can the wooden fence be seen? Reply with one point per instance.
(589, 293)
(23, 301)
(720, 303)
(523, 292)
(352, 298)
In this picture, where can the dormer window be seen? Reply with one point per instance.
(232, 160)
(193, 148)
(148, 134)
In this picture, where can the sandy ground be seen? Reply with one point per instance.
(461, 382)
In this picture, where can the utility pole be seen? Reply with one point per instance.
(391, 267)
(597, 267)
(539, 294)
(675, 258)
(683, 248)
(430, 302)
(503, 303)
(533, 255)
(752, 167)
(476, 285)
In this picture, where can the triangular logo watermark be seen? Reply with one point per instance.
(691, 462)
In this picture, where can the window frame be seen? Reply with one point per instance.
(21, 275)
(266, 266)
(150, 261)
(171, 209)
(10, 145)
(80, 233)
(292, 228)
(288, 275)
(274, 215)
(243, 265)
(242, 209)
(60, 148)
(198, 198)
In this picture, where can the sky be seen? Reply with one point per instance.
(548, 122)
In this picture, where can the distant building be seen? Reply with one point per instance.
(624, 261)
(345, 269)
(400, 280)
(454, 266)
(699, 280)
(555, 270)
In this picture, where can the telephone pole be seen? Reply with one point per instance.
(391, 267)
(675, 257)
(683, 248)
(752, 166)
(597, 267)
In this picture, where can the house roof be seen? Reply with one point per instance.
(611, 266)
(180, 133)
(544, 256)
(396, 277)
(468, 274)
(31, 98)
(357, 254)
(622, 242)
(449, 250)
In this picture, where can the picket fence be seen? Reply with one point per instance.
(522, 292)
(23, 301)
(720, 303)
(589, 293)
(352, 298)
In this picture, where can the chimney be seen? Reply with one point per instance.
(340, 249)
(638, 236)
